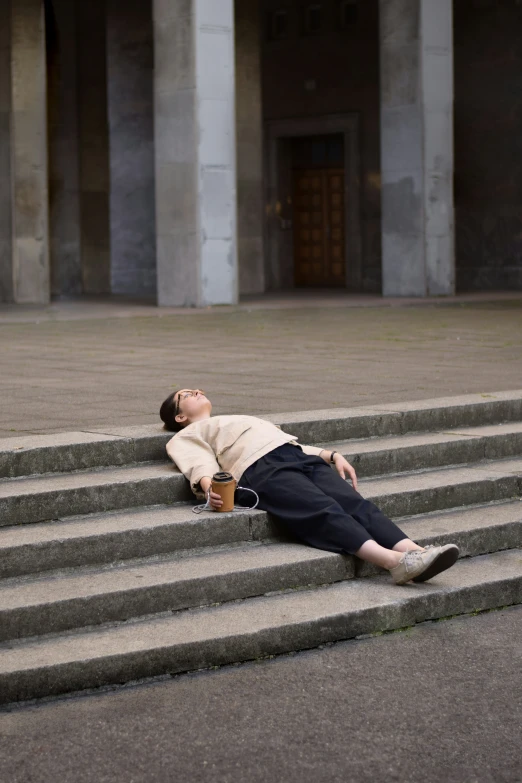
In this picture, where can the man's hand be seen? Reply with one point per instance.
(215, 499)
(343, 467)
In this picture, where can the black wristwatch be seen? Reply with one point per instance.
(332, 456)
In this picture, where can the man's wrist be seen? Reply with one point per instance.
(326, 455)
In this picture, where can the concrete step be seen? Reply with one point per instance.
(476, 530)
(87, 597)
(251, 628)
(119, 535)
(145, 532)
(26, 500)
(409, 494)
(63, 600)
(65, 452)
(440, 414)
(399, 454)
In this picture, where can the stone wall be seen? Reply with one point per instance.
(488, 143)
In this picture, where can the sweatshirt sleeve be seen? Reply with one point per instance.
(194, 458)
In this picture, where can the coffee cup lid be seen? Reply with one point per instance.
(222, 477)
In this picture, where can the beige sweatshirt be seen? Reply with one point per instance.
(230, 443)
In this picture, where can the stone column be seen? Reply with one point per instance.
(249, 134)
(93, 133)
(24, 219)
(417, 147)
(195, 169)
(131, 143)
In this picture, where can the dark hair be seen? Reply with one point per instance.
(168, 414)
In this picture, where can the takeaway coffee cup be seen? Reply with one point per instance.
(224, 484)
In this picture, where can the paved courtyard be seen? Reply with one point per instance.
(78, 365)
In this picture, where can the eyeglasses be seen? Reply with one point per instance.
(185, 395)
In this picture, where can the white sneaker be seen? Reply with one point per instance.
(420, 566)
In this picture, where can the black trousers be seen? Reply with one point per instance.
(314, 503)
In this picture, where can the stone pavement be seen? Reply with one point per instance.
(437, 702)
(92, 363)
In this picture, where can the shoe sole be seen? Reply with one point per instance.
(441, 563)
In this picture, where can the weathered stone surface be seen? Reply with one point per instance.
(477, 530)
(31, 500)
(411, 452)
(29, 262)
(251, 628)
(339, 351)
(66, 451)
(137, 565)
(426, 491)
(123, 535)
(195, 159)
(92, 598)
(63, 452)
(417, 147)
(405, 417)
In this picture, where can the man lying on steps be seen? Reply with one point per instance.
(295, 484)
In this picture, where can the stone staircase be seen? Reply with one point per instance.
(107, 577)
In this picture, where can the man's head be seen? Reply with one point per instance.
(183, 407)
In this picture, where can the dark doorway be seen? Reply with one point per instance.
(318, 211)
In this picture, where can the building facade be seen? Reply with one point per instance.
(193, 151)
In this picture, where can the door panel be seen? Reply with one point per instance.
(335, 190)
(319, 227)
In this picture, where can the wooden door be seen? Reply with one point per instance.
(319, 227)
